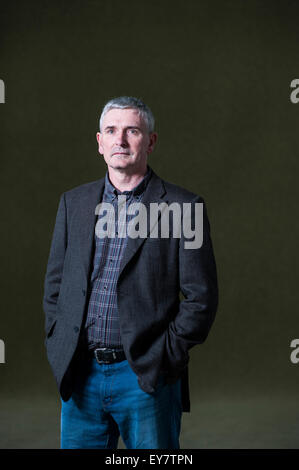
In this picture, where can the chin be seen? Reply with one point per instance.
(118, 166)
(120, 162)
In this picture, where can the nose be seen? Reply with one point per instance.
(121, 138)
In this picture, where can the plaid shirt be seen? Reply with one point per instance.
(102, 323)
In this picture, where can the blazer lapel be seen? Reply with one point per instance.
(154, 193)
(87, 220)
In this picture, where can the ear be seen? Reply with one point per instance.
(99, 140)
(152, 142)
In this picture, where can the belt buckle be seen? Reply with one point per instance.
(101, 361)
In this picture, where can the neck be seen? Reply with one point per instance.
(126, 181)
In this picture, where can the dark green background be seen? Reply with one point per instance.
(217, 78)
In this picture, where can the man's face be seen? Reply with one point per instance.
(124, 140)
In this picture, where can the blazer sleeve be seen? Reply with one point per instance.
(55, 265)
(199, 286)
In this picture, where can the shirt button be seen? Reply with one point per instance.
(105, 287)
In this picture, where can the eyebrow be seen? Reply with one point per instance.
(128, 127)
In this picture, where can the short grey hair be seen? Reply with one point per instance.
(124, 102)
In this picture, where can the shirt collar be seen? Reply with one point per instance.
(111, 192)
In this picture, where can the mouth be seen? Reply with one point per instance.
(120, 153)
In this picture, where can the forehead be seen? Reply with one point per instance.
(123, 117)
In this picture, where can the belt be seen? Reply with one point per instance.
(108, 355)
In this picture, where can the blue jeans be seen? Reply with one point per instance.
(107, 402)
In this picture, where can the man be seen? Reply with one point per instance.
(117, 333)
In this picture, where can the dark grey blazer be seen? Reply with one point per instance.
(157, 328)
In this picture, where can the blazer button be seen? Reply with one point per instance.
(84, 292)
(76, 329)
